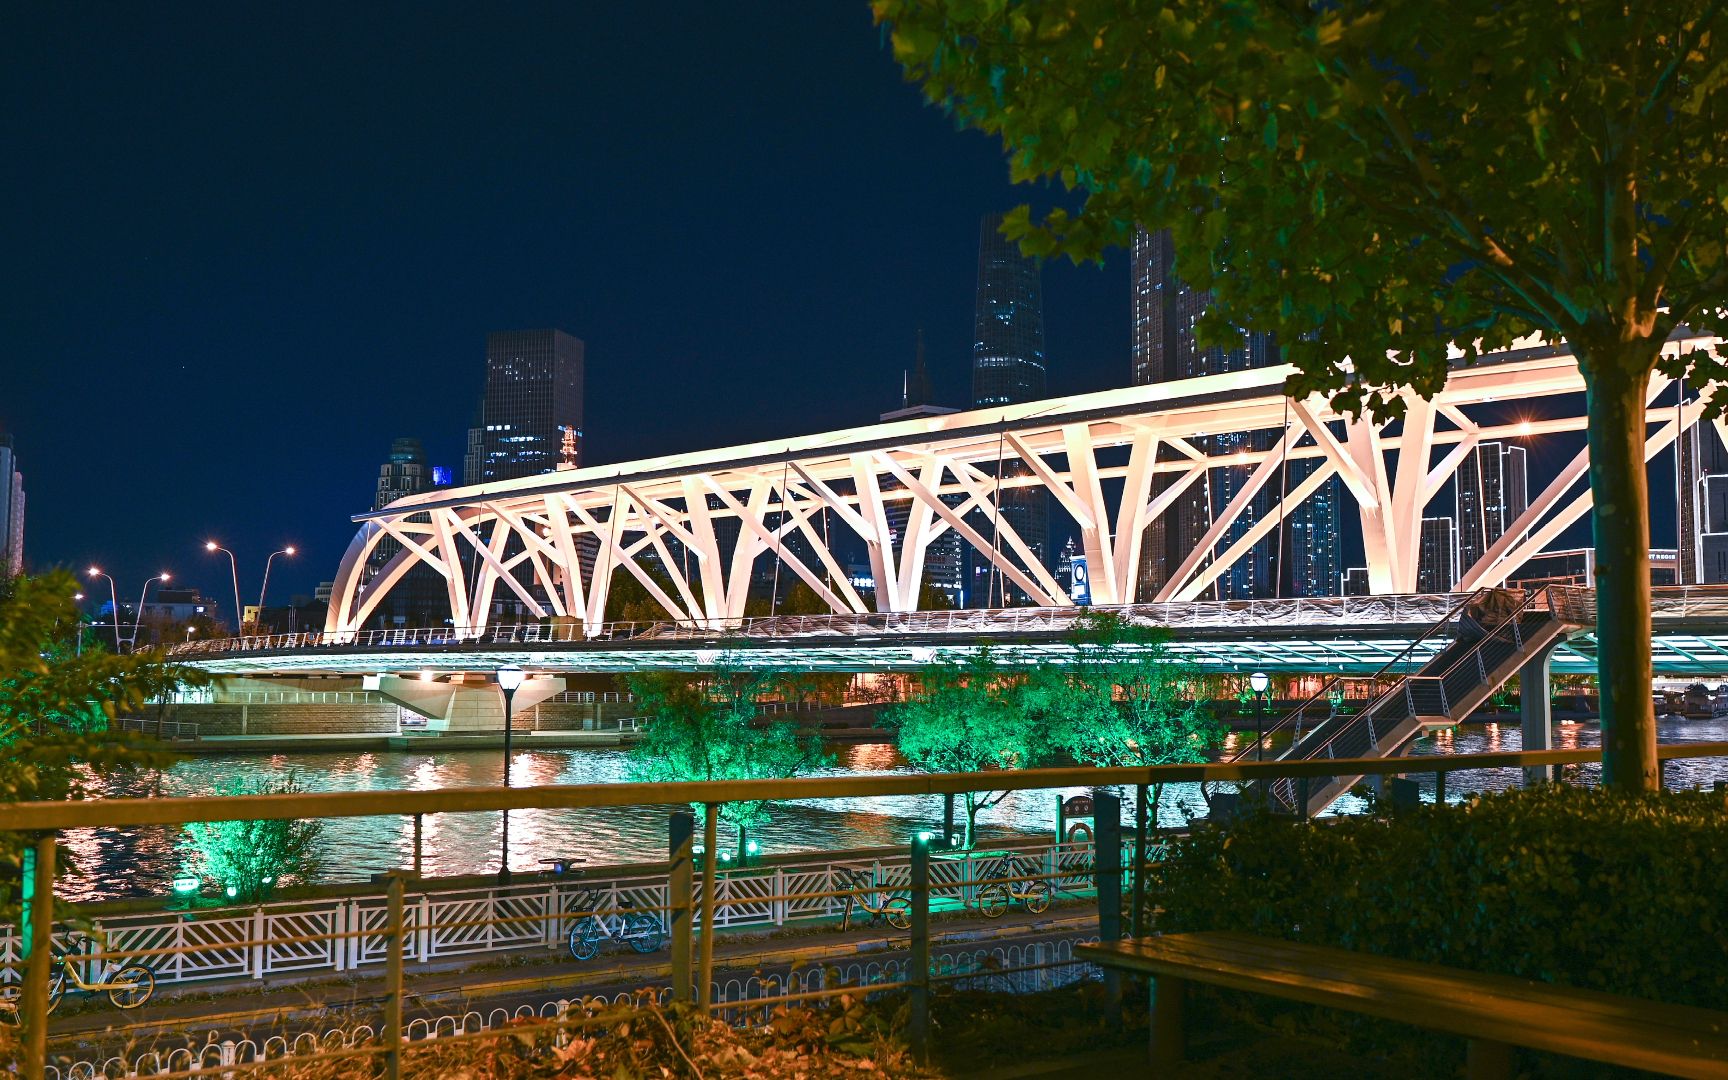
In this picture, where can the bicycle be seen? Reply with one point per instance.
(128, 985)
(637, 929)
(994, 896)
(891, 906)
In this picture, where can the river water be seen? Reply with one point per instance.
(112, 862)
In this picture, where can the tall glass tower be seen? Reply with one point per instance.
(1008, 367)
(1164, 348)
(533, 392)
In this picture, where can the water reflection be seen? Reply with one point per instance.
(113, 862)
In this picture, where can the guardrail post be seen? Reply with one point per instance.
(39, 952)
(395, 929)
(710, 846)
(419, 842)
(1107, 859)
(680, 842)
(918, 966)
(1439, 787)
(1139, 923)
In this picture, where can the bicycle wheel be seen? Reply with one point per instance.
(1036, 897)
(585, 940)
(643, 932)
(898, 911)
(11, 995)
(131, 986)
(992, 901)
(56, 989)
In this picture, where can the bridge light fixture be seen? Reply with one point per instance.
(231, 891)
(1259, 681)
(185, 885)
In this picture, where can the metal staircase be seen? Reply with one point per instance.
(1497, 632)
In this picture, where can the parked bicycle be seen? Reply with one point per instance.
(128, 985)
(994, 896)
(894, 907)
(639, 930)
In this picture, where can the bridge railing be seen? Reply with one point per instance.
(1184, 615)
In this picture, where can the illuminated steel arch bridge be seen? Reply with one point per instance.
(691, 529)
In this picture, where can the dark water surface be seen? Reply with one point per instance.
(114, 862)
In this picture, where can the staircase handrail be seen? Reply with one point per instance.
(1294, 716)
(1529, 599)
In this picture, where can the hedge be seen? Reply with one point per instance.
(1616, 892)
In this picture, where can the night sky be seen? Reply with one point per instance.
(244, 249)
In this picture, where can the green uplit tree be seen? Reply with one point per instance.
(709, 726)
(59, 703)
(968, 716)
(1377, 184)
(1122, 700)
(254, 858)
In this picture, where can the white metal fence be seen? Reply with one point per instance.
(253, 942)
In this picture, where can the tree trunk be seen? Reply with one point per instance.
(1617, 386)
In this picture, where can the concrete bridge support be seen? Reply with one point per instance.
(1536, 713)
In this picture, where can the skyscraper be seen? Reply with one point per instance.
(533, 392)
(1437, 559)
(1703, 554)
(1008, 367)
(11, 511)
(1491, 492)
(1316, 556)
(1164, 348)
(944, 558)
(419, 599)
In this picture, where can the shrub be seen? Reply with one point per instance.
(254, 858)
(1610, 891)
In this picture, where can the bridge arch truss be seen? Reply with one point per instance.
(692, 529)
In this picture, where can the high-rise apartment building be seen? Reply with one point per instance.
(1437, 558)
(1492, 491)
(1316, 556)
(1008, 367)
(11, 511)
(533, 393)
(1164, 349)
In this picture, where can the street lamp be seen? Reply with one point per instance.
(509, 679)
(233, 569)
(113, 601)
(138, 623)
(1259, 682)
(288, 551)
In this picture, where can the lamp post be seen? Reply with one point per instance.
(113, 602)
(288, 551)
(1259, 682)
(509, 678)
(78, 630)
(234, 570)
(138, 623)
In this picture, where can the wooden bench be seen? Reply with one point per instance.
(1494, 1012)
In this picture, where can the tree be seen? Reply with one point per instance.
(254, 858)
(1377, 185)
(58, 704)
(707, 727)
(968, 716)
(1123, 700)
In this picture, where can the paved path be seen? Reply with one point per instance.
(215, 1012)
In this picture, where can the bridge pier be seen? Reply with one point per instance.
(1536, 713)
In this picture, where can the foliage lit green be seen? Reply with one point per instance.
(1607, 890)
(708, 727)
(969, 716)
(58, 708)
(1380, 184)
(254, 857)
